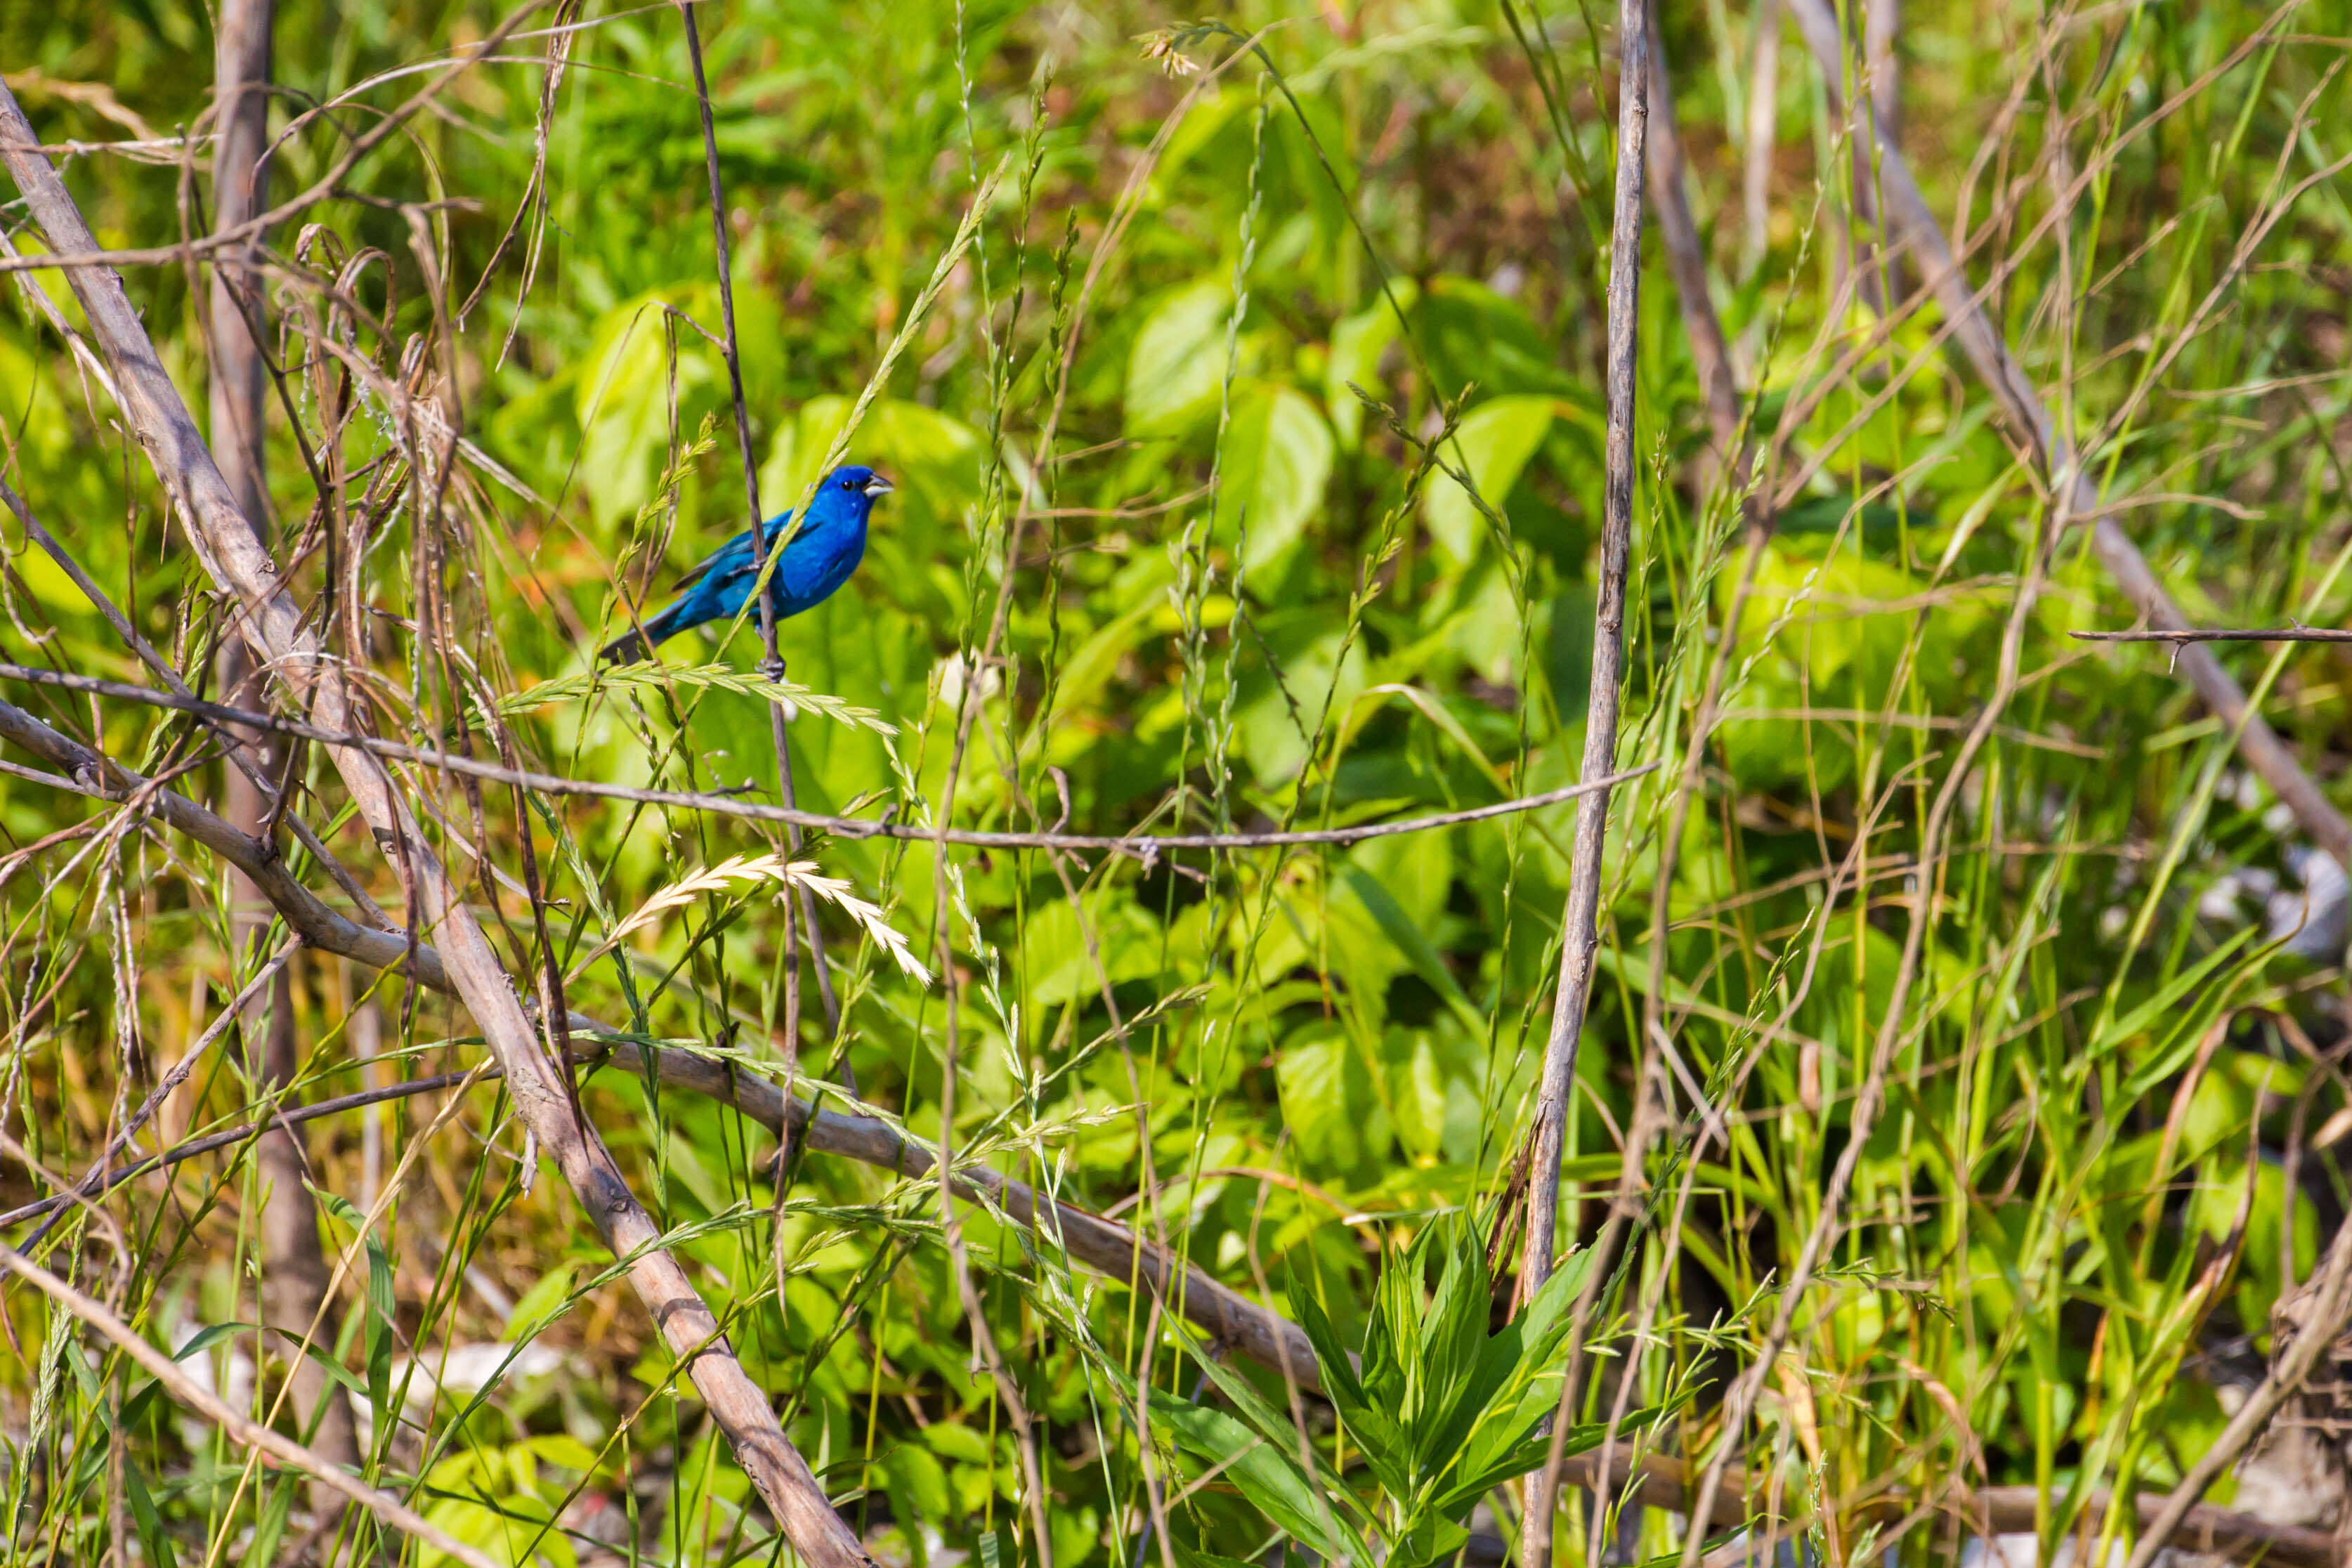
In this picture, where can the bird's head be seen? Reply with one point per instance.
(848, 494)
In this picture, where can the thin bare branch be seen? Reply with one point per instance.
(2220, 634)
(1144, 846)
(252, 1434)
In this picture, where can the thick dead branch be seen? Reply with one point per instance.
(270, 622)
(293, 1285)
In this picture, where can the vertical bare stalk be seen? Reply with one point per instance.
(1580, 922)
(1882, 79)
(1678, 237)
(1763, 126)
(771, 661)
(1882, 22)
(270, 619)
(294, 1265)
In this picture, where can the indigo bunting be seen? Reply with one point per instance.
(816, 561)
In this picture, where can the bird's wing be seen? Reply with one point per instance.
(728, 557)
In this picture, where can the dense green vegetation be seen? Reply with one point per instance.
(1161, 352)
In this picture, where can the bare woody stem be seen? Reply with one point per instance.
(773, 660)
(1579, 924)
(294, 1276)
(266, 616)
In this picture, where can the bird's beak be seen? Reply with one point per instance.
(878, 486)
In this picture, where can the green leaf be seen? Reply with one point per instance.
(1278, 460)
(1178, 364)
(1358, 343)
(550, 1296)
(1329, 1101)
(383, 1324)
(1506, 1392)
(1193, 1557)
(1453, 1333)
(270, 1528)
(1531, 1453)
(1266, 1475)
(1383, 1443)
(2113, 1031)
(212, 1334)
(150, 1524)
(1492, 445)
(1428, 1537)
(1411, 940)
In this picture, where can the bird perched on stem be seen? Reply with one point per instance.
(815, 561)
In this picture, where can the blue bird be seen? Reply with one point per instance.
(816, 561)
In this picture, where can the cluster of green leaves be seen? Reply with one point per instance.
(1442, 1412)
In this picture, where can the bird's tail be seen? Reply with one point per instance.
(634, 644)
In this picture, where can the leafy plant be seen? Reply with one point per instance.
(1440, 1411)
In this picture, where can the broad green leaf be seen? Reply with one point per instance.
(918, 1483)
(929, 453)
(1328, 1101)
(1492, 445)
(623, 405)
(547, 1299)
(1278, 460)
(1358, 343)
(1411, 940)
(1178, 364)
(1266, 1475)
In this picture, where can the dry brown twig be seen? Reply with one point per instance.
(271, 622)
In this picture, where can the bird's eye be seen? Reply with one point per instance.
(848, 485)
